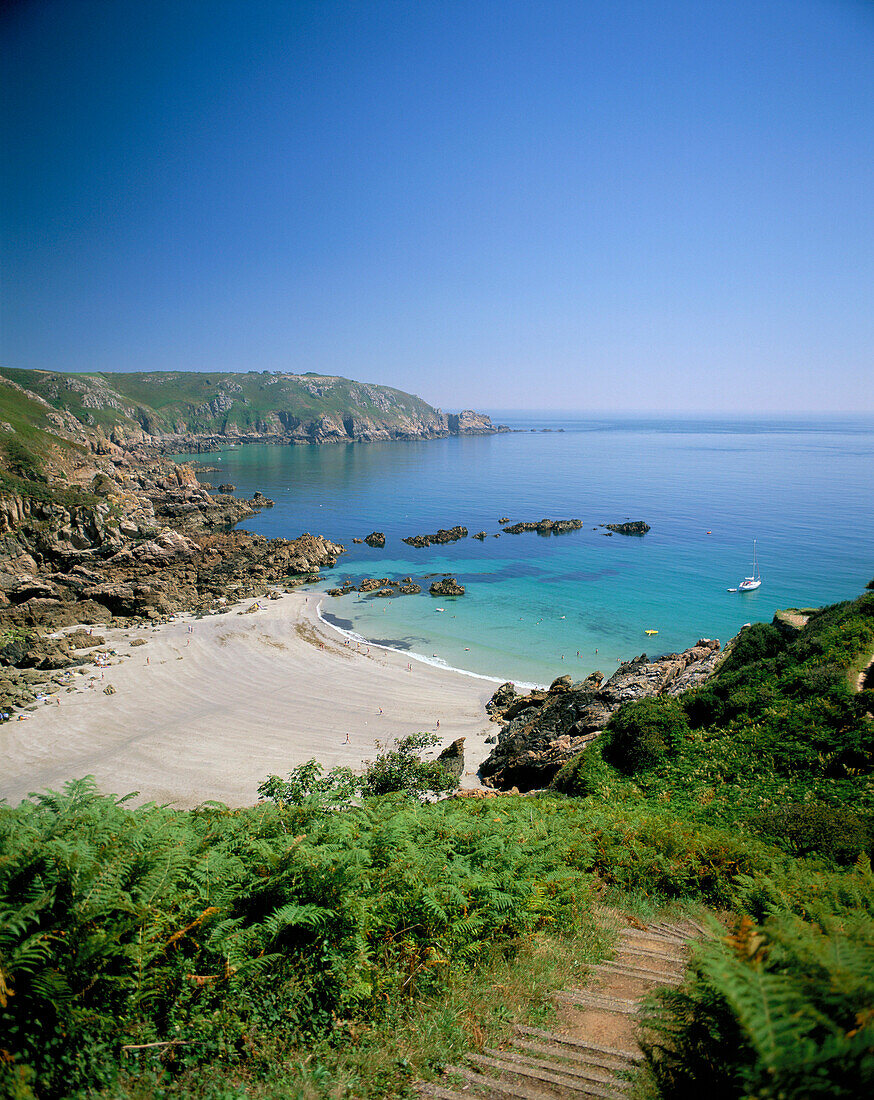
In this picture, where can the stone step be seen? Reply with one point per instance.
(579, 1058)
(491, 1089)
(673, 930)
(586, 1073)
(579, 1044)
(659, 937)
(587, 999)
(669, 960)
(638, 972)
(572, 1085)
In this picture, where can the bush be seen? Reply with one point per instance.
(755, 643)
(400, 769)
(645, 733)
(815, 828)
(396, 770)
(587, 774)
(783, 1010)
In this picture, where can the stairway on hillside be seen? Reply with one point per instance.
(594, 1045)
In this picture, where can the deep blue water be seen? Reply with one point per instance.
(537, 607)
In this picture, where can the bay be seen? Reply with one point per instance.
(537, 607)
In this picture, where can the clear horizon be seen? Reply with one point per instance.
(598, 205)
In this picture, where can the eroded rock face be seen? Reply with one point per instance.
(543, 730)
(449, 586)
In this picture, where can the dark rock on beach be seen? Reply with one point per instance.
(543, 730)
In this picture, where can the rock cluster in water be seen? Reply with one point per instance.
(634, 527)
(451, 534)
(449, 586)
(543, 730)
(546, 526)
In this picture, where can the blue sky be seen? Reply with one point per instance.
(612, 205)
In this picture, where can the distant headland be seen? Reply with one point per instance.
(174, 411)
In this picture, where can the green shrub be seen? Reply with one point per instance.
(645, 733)
(400, 769)
(815, 828)
(582, 776)
(782, 1011)
(754, 644)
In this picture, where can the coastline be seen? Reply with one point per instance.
(210, 706)
(432, 662)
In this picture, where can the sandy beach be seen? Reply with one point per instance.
(209, 707)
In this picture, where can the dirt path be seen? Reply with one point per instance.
(860, 682)
(594, 1044)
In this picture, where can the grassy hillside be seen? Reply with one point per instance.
(35, 450)
(172, 401)
(298, 949)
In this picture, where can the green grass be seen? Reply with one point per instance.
(161, 399)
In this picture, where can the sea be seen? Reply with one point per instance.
(541, 606)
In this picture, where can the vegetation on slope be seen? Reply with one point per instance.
(217, 953)
(193, 401)
(32, 453)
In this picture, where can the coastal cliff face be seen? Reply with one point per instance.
(177, 411)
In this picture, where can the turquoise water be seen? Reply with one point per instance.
(537, 607)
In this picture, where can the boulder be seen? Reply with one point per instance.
(546, 526)
(634, 527)
(449, 586)
(452, 758)
(443, 535)
(375, 538)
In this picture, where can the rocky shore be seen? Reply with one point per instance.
(543, 730)
(138, 538)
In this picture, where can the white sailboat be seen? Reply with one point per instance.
(749, 584)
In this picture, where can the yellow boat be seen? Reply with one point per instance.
(650, 632)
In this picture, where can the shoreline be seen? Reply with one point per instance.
(432, 662)
(212, 705)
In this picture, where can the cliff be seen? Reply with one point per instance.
(178, 410)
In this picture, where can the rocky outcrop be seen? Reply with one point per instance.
(444, 535)
(469, 422)
(452, 758)
(449, 586)
(375, 539)
(546, 526)
(543, 730)
(633, 527)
